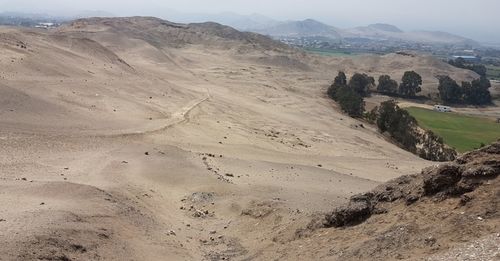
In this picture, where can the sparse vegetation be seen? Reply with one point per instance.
(462, 132)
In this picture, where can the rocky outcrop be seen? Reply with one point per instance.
(439, 182)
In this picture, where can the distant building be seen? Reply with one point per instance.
(45, 25)
(468, 58)
(442, 108)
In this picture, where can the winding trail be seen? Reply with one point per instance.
(180, 116)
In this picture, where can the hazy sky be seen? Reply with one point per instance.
(478, 19)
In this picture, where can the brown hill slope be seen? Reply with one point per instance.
(135, 138)
(161, 33)
(426, 216)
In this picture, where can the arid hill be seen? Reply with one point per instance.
(447, 212)
(141, 139)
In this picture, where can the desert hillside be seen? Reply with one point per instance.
(141, 139)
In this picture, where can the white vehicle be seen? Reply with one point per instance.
(442, 108)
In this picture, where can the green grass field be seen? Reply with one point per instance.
(329, 52)
(462, 132)
(493, 72)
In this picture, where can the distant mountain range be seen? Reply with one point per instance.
(376, 32)
(306, 28)
(312, 28)
(391, 32)
(279, 29)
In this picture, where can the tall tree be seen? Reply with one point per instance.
(449, 90)
(340, 81)
(477, 92)
(350, 101)
(399, 124)
(361, 83)
(410, 84)
(475, 67)
(387, 85)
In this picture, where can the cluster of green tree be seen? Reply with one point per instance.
(349, 95)
(404, 129)
(398, 123)
(475, 92)
(410, 85)
(475, 67)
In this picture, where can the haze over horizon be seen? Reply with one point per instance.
(446, 15)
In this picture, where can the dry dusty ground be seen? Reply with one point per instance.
(116, 145)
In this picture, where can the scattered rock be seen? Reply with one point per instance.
(259, 209)
(358, 210)
(200, 214)
(439, 182)
(201, 197)
(464, 199)
(441, 178)
(78, 248)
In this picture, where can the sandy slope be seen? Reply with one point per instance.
(135, 139)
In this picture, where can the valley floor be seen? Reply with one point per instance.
(218, 177)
